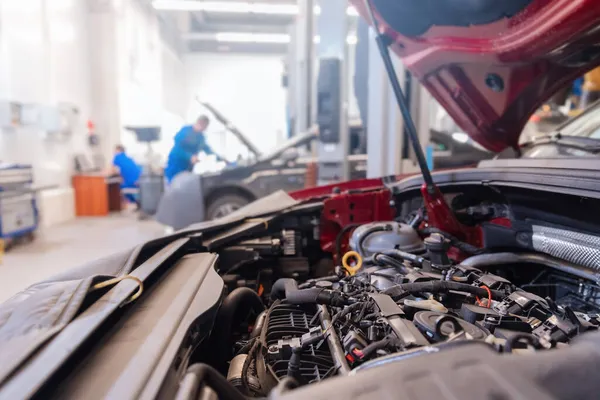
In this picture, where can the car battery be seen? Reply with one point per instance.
(18, 207)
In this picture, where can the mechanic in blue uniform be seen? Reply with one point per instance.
(130, 172)
(189, 141)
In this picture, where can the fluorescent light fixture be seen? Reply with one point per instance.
(351, 39)
(240, 7)
(235, 37)
(351, 11)
(226, 7)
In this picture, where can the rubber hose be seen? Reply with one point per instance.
(312, 282)
(199, 374)
(491, 260)
(304, 296)
(282, 287)
(404, 256)
(340, 237)
(237, 305)
(365, 234)
(374, 346)
(404, 289)
(518, 338)
(258, 325)
(287, 288)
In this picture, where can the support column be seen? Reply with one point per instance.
(104, 74)
(302, 71)
(385, 125)
(332, 91)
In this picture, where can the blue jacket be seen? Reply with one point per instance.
(188, 143)
(129, 170)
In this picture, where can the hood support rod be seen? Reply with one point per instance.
(409, 125)
(439, 213)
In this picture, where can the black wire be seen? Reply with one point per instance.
(387, 260)
(340, 237)
(246, 348)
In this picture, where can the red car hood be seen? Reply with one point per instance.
(492, 63)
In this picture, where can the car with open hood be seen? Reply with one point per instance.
(290, 166)
(472, 283)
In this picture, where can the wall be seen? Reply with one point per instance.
(104, 58)
(44, 60)
(246, 89)
(151, 80)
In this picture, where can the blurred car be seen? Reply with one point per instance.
(286, 167)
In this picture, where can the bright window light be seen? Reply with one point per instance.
(235, 37)
(226, 7)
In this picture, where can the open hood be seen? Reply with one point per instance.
(231, 128)
(492, 63)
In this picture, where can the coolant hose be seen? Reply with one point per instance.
(402, 290)
(287, 288)
(363, 236)
(282, 287)
(235, 308)
(492, 260)
(199, 375)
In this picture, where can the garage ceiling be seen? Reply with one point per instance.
(246, 26)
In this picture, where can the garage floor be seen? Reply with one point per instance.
(62, 247)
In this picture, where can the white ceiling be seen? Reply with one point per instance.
(231, 25)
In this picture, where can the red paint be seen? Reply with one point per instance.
(327, 190)
(349, 208)
(529, 51)
(440, 215)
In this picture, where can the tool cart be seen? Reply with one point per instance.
(19, 217)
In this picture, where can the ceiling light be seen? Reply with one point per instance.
(240, 7)
(226, 7)
(351, 39)
(235, 37)
(351, 11)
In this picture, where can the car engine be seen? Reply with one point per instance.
(396, 294)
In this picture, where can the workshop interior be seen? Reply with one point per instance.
(299, 199)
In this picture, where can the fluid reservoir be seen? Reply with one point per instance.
(376, 237)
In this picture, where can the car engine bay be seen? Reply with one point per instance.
(393, 291)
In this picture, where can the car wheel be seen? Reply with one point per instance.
(225, 205)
